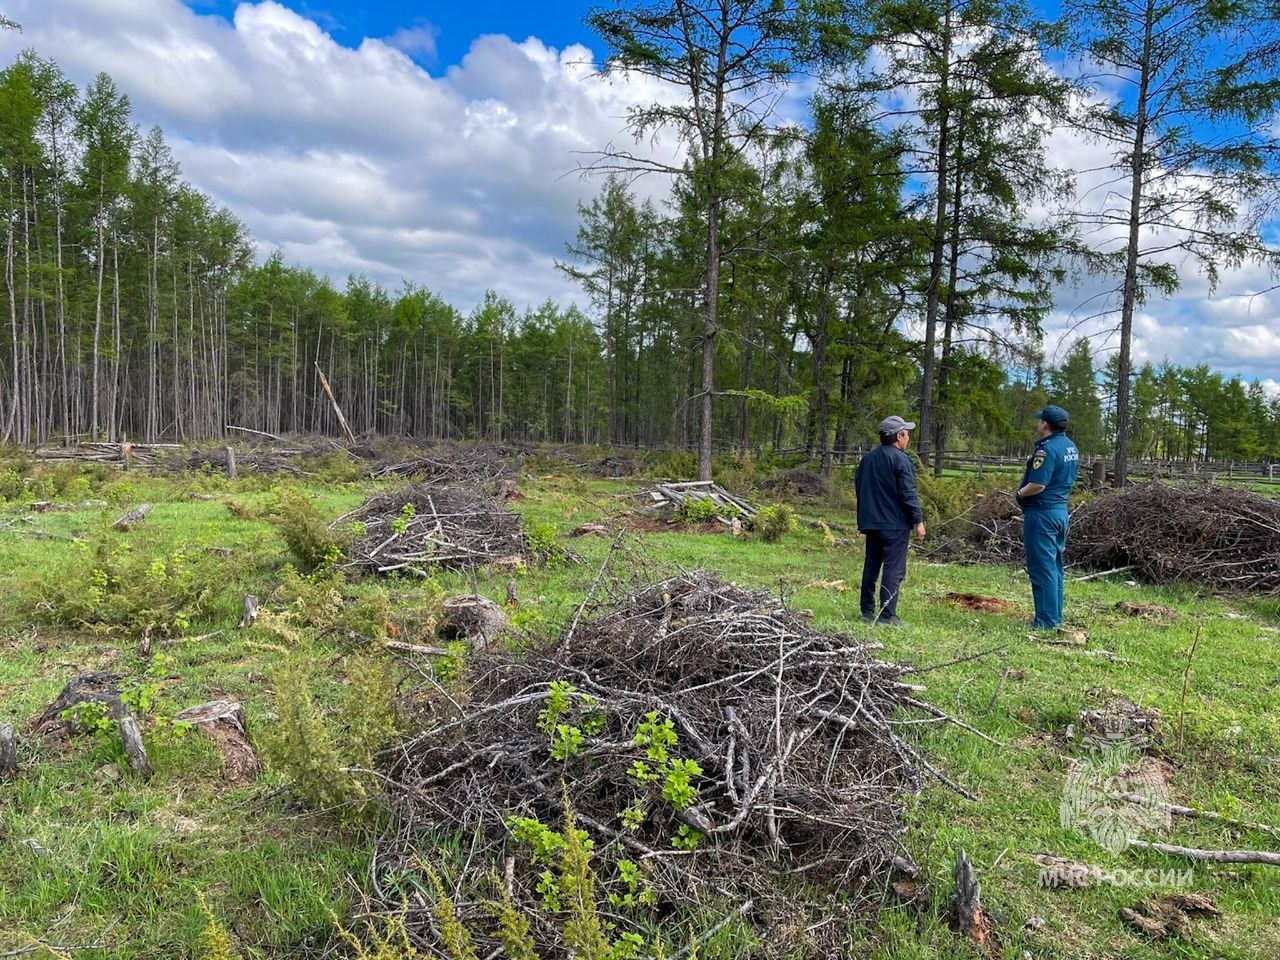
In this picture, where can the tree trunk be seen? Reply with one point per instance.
(939, 242)
(1129, 293)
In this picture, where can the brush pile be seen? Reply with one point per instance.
(476, 463)
(426, 525)
(703, 731)
(1222, 537)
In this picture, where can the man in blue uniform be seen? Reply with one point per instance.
(888, 507)
(1046, 484)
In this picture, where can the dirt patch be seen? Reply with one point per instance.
(979, 603)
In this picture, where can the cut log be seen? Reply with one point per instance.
(475, 619)
(223, 721)
(250, 611)
(970, 920)
(8, 751)
(133, 518)
(135, 750)
(98, 685)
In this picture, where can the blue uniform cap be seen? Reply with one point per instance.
(1053, 415)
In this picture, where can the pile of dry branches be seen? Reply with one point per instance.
(460, 463)
(797, 736)
(1223, 537)
(425, 525)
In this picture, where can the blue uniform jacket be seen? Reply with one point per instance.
(1055, 463)
(886, 486)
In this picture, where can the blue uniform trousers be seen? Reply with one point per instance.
(1044, 535)
(886, 561)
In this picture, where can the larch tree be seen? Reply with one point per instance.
(1187, 102)
(727, 63)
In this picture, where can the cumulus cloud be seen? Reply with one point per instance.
(356, 159)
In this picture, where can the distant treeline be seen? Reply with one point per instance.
(133, 307)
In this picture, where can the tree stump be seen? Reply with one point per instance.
(8, 751)
(970, 920)
(475, 619)
(513, 597)
(135, 750)
(231, 463)
(508, 490)
(97, 685)
(132, 518)
(223, 722)
(250, 611)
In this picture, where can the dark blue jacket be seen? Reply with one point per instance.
(886, 486)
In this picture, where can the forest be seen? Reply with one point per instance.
(885, 257)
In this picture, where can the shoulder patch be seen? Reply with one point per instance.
(1038, 460)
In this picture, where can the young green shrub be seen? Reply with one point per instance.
(313, 600)
(702, 510)
(215, 941)
(302, 746)
(389, 943)
(312, 542)
(774, 522)
(114, 587)
(544, 542)
(369, 711)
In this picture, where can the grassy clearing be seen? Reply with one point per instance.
(89, 856)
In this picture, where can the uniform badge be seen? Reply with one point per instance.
(1038, 460)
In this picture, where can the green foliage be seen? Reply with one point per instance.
(545, 542)
(369, 710)
(513, 930)
(113, 586)
(453, 934)
(302, 746)
(215, 941)
(310, 540)
(698, 511)
(774, 522)
(89, 716)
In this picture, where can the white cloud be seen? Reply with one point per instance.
(357, 159)
(418, 40)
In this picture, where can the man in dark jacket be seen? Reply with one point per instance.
(888, 508)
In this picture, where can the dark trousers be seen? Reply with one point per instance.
(887, 555)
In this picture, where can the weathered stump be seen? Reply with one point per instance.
(8, 751)
(133, 518)
(94, 686)
(250, 611)
(477, 620)
(970, 920)
(231, 463)
(223, 722)
(135, 750)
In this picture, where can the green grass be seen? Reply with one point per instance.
(110, 869)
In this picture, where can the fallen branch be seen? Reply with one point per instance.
(1265, 857)
(1101, 574)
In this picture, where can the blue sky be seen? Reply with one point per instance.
(454, 25)
(440, 144)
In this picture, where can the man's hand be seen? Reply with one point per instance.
(920, 532)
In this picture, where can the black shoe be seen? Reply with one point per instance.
(868, 618)
(890, 622)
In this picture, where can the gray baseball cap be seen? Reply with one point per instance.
(895, 425)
